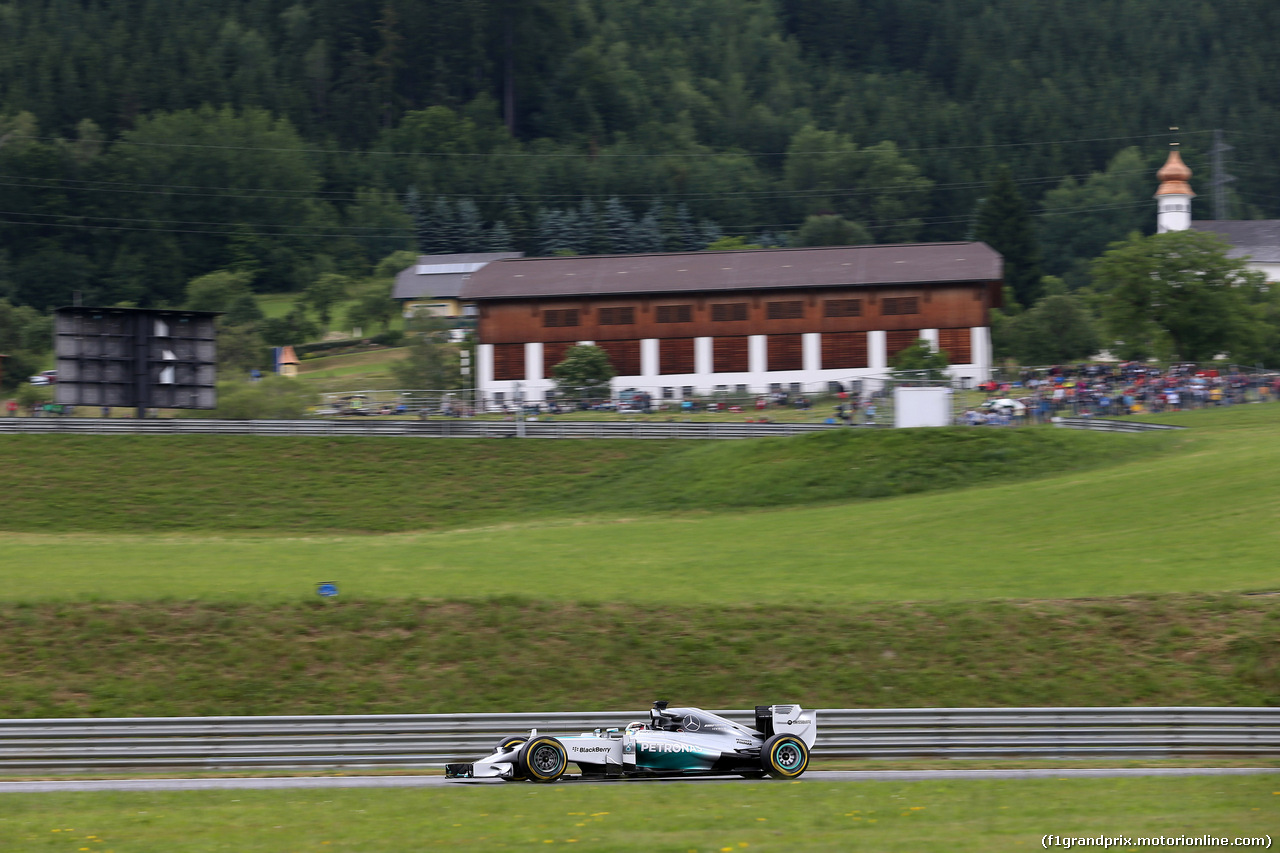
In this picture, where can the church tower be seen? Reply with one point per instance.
(1174, 195)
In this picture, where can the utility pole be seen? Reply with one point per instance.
(519, 397)
(1220, 177)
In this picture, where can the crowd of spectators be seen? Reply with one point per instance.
(1129, 388)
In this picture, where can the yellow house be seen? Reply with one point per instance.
(432, 285)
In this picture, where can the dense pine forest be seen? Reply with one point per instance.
(144, 143)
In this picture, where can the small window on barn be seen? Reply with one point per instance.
(784, 352)
(729, 355)
(956, 343)
(844, 350)
(556, 318)
(842, 308)
(674, 313)
(725, 312)
(896, 340)
(625, 316)
(900, 305)
(623, 355)
(675, 355)
(508, 362)
(786, 310)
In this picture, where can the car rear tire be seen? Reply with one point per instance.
(543, 759)
(508, 743)
(784, 756)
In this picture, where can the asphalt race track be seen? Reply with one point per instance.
(271, 783)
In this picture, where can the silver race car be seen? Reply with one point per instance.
(672, 742)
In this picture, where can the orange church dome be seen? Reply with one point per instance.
(1173, 176)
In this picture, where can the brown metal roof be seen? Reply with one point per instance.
(829, 266)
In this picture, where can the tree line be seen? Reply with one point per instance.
(147, 143)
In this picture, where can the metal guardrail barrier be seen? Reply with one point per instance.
(470, 428)
(421, 429)
(430, 740)
(1103, 425)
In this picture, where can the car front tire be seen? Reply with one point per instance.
(543, 759)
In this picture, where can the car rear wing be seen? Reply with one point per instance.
(787, 719)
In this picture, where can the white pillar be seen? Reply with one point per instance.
(533, 362)
(930, 335)
(811, 347)
(483, 375)
(649, 357)
(980, 351)
(877, 354)
(757, 359)
(484, 367)
(703, 363)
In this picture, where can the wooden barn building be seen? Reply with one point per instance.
(689, 323)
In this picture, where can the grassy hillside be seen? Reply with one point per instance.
(326, 485)
(592, 521)
(414, 656)
(152, 575)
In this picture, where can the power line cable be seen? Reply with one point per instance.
(235, 228)
(602, 154)
(83, 227)
(112, 218)
(906, 185)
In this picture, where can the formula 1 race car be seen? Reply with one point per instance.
(672, 742)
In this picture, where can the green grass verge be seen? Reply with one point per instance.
(353, 371)
(649, 521)
(280, 304)
(121, 484)
(105, 660)
(276, 304)
(1196, 520)
(357, 362)
(756, 600)
(949, 815)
